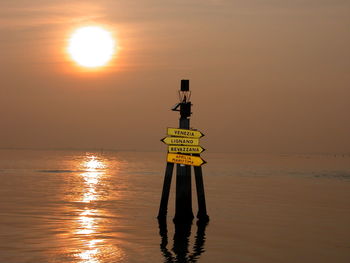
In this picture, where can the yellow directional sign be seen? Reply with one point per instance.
(184, 149)
(185, 159)
(180, 141)
(184, 133)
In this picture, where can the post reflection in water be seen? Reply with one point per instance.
(181, 253)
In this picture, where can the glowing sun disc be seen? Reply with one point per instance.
(91, 46)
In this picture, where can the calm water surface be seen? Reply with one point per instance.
(93, 207)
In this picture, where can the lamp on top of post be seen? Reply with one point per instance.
(184, 97)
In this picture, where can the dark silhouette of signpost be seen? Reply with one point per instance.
(184, 159)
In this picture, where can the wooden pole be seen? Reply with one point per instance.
(183, 203)
(183, 199)
(163, 208)
(202, 209)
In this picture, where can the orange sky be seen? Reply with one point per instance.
(266, 76)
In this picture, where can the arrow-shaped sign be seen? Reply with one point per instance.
(180, 141)
(184, 149)
(185, 159)
(184, 133)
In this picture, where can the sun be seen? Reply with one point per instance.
(91, 46)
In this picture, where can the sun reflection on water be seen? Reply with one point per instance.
(93, 247)
(93, 164)
(89, 255)
(87, 222)
(94, 170)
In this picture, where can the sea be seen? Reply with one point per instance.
(97, 206)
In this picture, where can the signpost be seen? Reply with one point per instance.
(180, 141)
(184, 133)
(184, 151)
(185, 159)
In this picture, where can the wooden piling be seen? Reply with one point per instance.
(163, 208)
